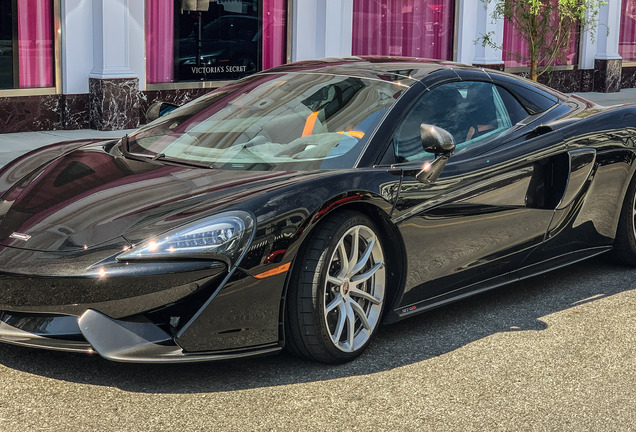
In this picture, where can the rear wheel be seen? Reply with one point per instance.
(625, 242)
(336, 305)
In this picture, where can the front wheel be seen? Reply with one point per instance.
(336, 305)
(625, 242)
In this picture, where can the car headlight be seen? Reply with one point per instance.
(222, 236)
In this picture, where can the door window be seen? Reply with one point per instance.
(473, 112)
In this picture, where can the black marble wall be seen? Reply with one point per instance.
(112, 106)
(113, 103)
(495, 66)
(30, 113)
(628, 77)
(75, 111)
(37, 113)
(567, 81)
(607, 75)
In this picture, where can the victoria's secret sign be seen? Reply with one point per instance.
(218, 69)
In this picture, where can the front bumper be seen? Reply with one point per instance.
(193, 310)
(118, 290)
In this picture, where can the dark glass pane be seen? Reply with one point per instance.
(216, 41)
(6, 45)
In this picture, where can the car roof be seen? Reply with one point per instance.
(384, 68)
(409, 70)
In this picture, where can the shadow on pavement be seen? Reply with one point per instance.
(517, 307)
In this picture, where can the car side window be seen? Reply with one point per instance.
(472, 111)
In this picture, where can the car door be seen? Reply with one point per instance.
(472, 227)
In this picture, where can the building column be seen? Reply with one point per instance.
(607, 63)
(471, 30)
(322, 28)
(113, 85)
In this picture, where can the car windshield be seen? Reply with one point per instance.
(273, 122)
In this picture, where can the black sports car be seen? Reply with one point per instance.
(303, 206)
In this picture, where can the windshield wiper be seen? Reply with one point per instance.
(126, 143)
(161, 157)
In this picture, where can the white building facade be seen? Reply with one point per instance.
(68, 64)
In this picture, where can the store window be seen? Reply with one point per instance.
(206, 40)
(627, 37)
(407, 28)
(516, 53)
(26, 44)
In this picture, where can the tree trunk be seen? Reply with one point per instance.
(533, 45)
(534, 66)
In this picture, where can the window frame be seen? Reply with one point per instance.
(214, 84)
(57, 60)
(390, 156)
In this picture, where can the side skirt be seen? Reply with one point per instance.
(492, 283)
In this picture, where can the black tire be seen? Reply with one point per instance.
(325, 280)
(625, 242)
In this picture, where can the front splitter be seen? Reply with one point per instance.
(60, 333)
(141, 341)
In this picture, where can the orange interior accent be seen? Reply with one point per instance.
(310, 123)
(353, 133)
(273, 272)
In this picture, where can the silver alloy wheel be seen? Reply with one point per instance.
(634, 219)
(354, 288)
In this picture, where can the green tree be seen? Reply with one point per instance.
(547, 26)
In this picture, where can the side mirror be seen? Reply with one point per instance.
(436, 140)
(159, 109)
(439, 142)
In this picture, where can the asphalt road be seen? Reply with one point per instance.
(556, 352)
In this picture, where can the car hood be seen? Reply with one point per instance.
(89, 197)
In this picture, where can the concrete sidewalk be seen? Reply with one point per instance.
(624, 96)
(14, 144)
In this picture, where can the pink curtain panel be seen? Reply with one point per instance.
(407, 28)
(35, 43)
(274, 32)
(627, 41)
(159, 41)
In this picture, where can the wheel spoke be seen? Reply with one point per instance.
(355, 244)
(366, 275)
(355, 292)
(351, 325)
(357, 309)
(334, 280)
(365, 257)
(335, 302)
(343, 256)
(342, 318)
